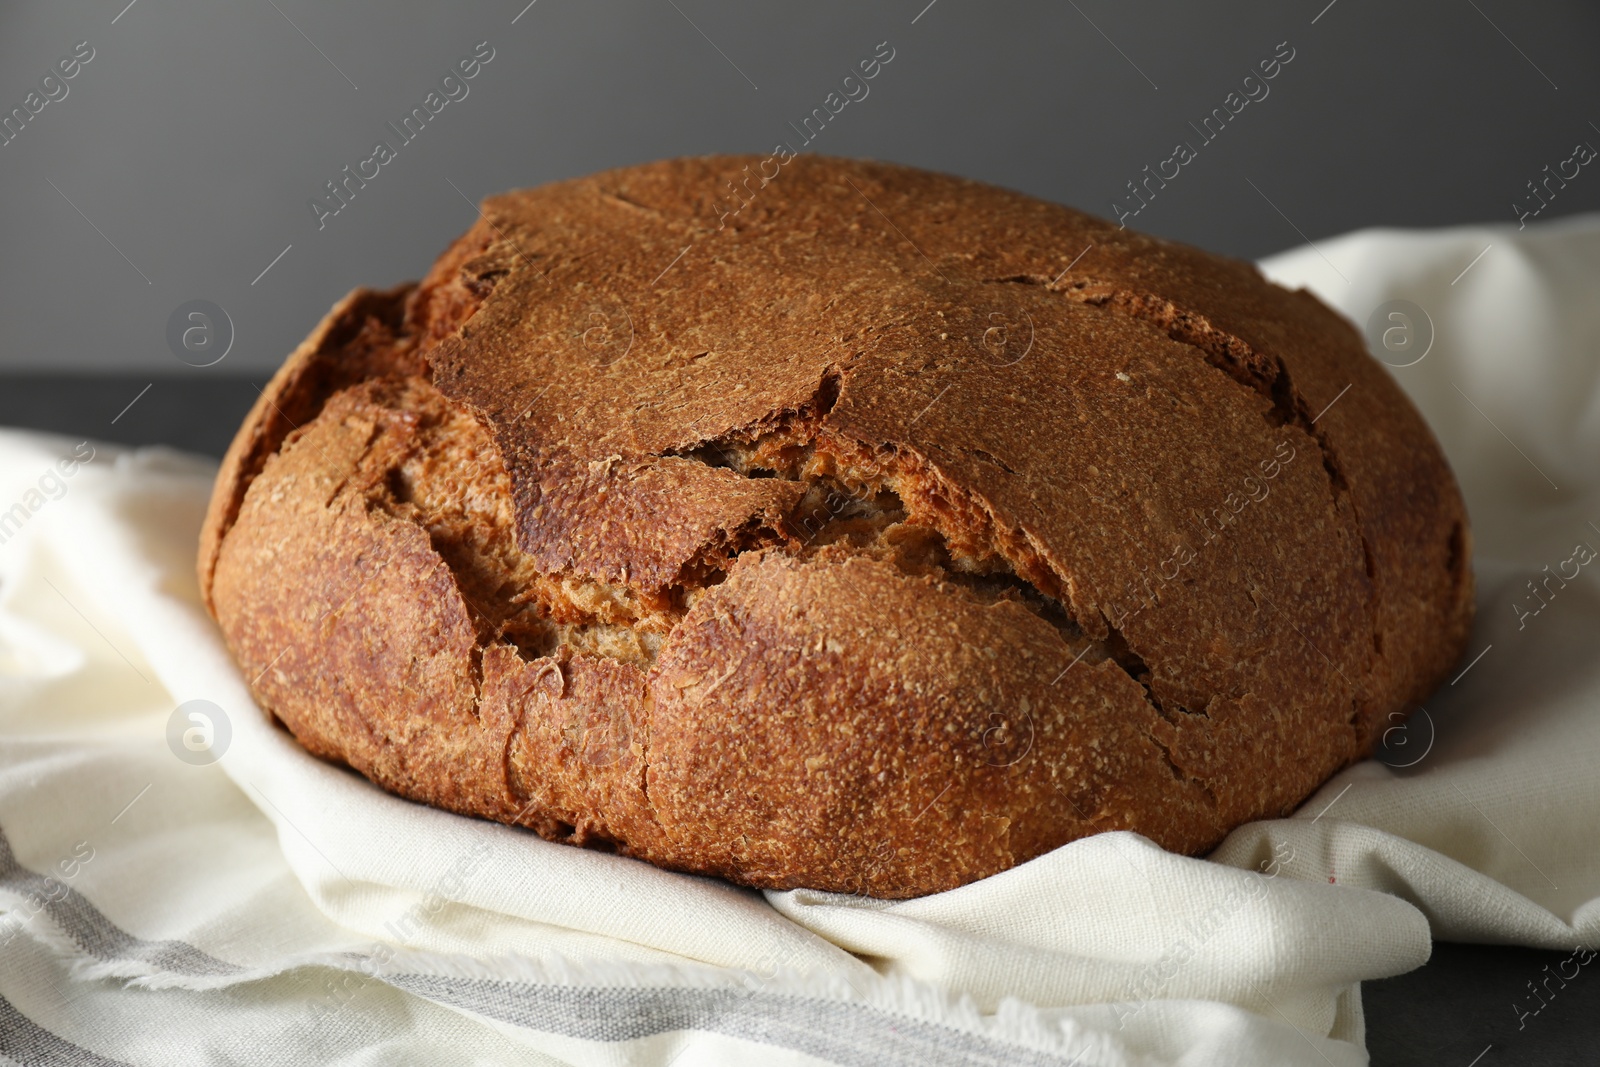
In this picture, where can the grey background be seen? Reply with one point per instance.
(194, 138)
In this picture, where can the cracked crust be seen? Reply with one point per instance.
(843, 554)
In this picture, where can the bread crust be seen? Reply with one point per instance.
(836, 552)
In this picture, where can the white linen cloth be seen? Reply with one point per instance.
(271, 908)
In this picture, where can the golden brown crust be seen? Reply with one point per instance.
(359, 338)
(840, 725)
(897, 532)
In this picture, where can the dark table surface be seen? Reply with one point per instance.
(1464, 1009)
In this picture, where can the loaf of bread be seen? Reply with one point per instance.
(875, 536)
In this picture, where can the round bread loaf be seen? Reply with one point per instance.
(849, 527)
